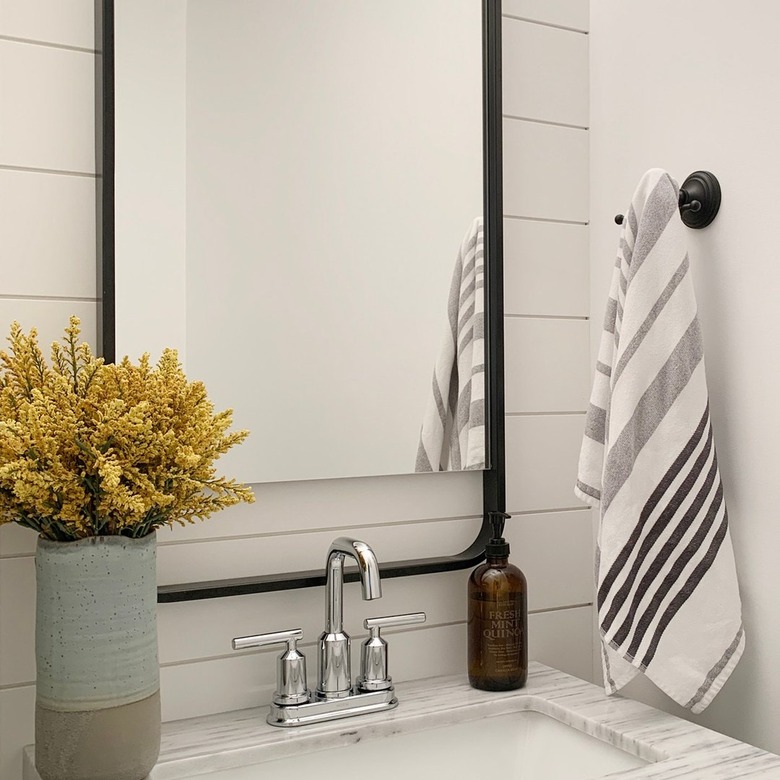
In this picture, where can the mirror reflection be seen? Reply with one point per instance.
(299, 191)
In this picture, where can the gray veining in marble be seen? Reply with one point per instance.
(679, 749)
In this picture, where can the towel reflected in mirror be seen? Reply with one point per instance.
(453, 430)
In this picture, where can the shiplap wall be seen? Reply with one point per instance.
(47, 255)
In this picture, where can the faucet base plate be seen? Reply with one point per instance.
(288, 715)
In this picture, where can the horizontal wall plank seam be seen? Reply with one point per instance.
(576, 128)
(545, 122)
(326, 529)
(545, 219)
(519, 512)
(560, 609)
(304, 645)
(546, 414)
(48, 171)
(49, 44)
(508, 315)
(545, 24)
(47, 298)
(557, 510)
(14, 686)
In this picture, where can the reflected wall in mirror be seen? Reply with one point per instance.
(299, 194)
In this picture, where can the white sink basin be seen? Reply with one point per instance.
(516, 746)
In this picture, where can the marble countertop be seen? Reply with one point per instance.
(679, 749)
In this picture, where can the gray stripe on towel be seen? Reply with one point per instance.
(714, 673)
(595, 423)
(422, 463)
(651, 409)
(439, 402)
(639, 336)
(589, 491)
(603, 368)
(610, 315)
(659, 210)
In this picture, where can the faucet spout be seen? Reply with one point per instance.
(369, 577)
(334, 644)
(366, 561)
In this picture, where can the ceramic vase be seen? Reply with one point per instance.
(98, 688)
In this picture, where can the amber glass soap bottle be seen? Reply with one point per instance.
(497, 618)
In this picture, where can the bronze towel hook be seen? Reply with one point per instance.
(699, 200)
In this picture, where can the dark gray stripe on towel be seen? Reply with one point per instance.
(661, 522)
(693, 581)
(660, 560)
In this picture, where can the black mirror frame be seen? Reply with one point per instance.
(494, 488)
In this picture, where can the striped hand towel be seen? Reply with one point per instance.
(453, 429)
(668, 601)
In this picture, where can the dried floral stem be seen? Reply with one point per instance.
(89, 449)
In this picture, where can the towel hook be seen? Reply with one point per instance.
(699, 200)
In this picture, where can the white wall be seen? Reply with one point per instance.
(688, 86)
(47, 254)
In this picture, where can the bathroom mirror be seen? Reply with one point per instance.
(293, 183)
(290, 188)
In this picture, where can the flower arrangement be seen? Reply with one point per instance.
(95, 449)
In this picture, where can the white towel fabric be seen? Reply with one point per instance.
(668, 600)
(453, 429)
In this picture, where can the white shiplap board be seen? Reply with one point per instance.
(547, 363)
(569, 14)
(248, 556)
(545, 171)
(59, 22)
(48, 107)
(542, 453)
(47, 224)
(545, 269)
(17, 716)
(546, 79)
(50, 317)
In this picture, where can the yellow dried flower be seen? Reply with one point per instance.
(89, 449)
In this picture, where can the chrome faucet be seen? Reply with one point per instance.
(335, 667)
(335, 696)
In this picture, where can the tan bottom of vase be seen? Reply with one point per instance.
(117, 743)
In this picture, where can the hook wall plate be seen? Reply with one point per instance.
(701, 186)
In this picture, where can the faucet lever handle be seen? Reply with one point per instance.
(391, 621)
(291, 687)
(290, 635)
(373, 658)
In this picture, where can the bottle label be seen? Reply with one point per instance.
(502, 634)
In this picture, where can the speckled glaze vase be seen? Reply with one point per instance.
(97, 712)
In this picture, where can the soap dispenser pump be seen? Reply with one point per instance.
(497, 618)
